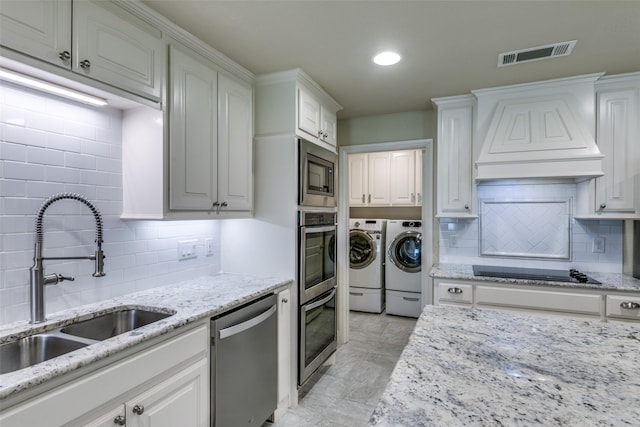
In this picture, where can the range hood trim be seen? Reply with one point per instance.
(537, 130)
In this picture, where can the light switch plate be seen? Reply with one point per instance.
(208, 247)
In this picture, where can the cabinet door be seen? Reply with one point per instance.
(235, 143)
(329, 127)
(454, 161)
(358, 179)
(378, 179)
(182, 400)
(403, 178)
(111, 418)
(618, 191)
(41, 29)
(308, 113)
(193, 131)
(121, 50)
(284, 349)
(418, 177)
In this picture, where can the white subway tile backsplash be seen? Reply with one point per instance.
(465, 233)
(36, 132)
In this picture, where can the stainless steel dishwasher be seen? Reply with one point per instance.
(244, 364)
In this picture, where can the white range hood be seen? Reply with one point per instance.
(538, 130)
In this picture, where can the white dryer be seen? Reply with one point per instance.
(404, 268)
(366, 264)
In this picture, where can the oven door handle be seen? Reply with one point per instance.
(312, 229)
(319, 303)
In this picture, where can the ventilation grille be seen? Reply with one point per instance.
(536, 53)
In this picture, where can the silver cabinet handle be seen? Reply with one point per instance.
(358, 294)
(241, 327)
(326, 134)
(466, 207)
(119, 420)
(85, 65)
(64, 55)
(454, 290)
(285, 300)
(138, 409)
(224, 205)
(630, 305)
(410, 299)
(363, 198)
(369, 198)
(413, 198)
(603, 205)
(419, 197)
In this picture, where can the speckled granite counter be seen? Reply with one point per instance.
(466, 366)
(610, 281)
(192, 300)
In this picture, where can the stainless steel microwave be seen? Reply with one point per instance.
(317, 178)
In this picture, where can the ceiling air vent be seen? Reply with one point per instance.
(536, 53)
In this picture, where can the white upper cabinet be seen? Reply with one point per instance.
(41, 29)
(102, 41)
(403, 178)
(211, 137)
(388, 178)
(318, 121)
(455, 189)
(115, 47)
(193, 131)
(235, 144)
(617, 193)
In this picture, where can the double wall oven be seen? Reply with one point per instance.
(317, 332)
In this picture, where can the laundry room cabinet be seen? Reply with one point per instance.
(388, 178)
(455, 187)
(95, 39)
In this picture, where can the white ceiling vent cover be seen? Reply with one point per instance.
(536, 53)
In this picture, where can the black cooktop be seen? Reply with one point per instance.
(571, 276)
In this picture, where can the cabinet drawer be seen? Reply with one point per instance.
(539, 300)
(451, 292)
(623, 307)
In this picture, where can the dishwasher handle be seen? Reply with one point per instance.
(241, 327)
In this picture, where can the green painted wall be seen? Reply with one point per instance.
(387, 127)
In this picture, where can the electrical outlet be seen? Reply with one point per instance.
(208, 247)
(598, 245)
(187, 249)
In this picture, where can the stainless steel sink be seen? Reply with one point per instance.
(115, 323)
(34, 349)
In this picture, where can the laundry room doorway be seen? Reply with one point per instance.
(373, 204)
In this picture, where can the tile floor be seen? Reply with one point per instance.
(345, 393)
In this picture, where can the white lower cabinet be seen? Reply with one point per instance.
(573, 302)
(284, 352)
(530, 299)
(451, 292)
(164, 385)
(624, 307)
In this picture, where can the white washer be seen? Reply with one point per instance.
(366, 264)
(404, 267)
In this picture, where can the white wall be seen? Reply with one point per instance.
(50, 145)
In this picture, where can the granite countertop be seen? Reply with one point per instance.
(192, 300)
(465, 366)
(610, 281)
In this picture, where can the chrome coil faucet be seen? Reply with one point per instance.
(37, 276)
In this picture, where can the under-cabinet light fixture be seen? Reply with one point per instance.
(41, 85)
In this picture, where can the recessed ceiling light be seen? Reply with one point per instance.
(386, 58)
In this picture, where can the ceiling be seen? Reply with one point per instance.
(448, 47)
